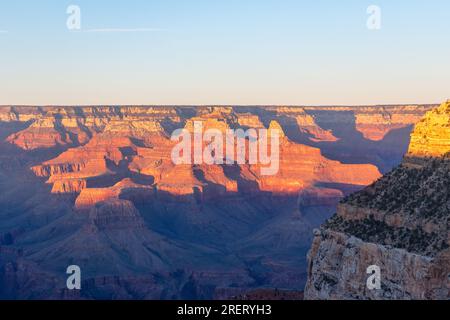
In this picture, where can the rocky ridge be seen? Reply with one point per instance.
(400, 223)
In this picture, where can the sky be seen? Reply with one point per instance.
(224, 52)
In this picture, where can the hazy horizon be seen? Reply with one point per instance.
(221, 105)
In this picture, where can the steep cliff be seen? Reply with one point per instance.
(431, 135)
(401, 223)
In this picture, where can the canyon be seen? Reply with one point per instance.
(96, 187)
(401, 223)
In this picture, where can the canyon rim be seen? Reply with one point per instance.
(400, 224)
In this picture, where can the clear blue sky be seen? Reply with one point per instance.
(224, 52)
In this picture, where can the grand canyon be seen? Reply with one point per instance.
(95, 186)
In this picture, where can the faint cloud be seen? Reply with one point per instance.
(117, 30)
(3, 31)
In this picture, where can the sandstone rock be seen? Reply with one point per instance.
(338, 264)
(69, 186)
(400, 223)
(90, 197)
(431, 136)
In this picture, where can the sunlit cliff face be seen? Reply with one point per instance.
(400, 224)
(430, 137)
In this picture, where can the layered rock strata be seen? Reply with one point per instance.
(401, 223)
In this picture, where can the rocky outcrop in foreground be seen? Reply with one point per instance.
(338, 270)
(400, 223)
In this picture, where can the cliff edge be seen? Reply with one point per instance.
(400, 224)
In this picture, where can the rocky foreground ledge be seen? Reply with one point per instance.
(400, 223)
(338, 264)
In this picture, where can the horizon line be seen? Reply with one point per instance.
(216, 105)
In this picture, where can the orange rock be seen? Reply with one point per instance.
(431, 136)
(302, 166)
(89, 197)
(69, 186)
(110, 141)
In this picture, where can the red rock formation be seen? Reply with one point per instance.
(302, 166)
(69, 186)
(107, 141)
(179, 181)
(89, 197)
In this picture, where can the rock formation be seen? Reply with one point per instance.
(431, 135)
(401, 223)
(96, 186)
